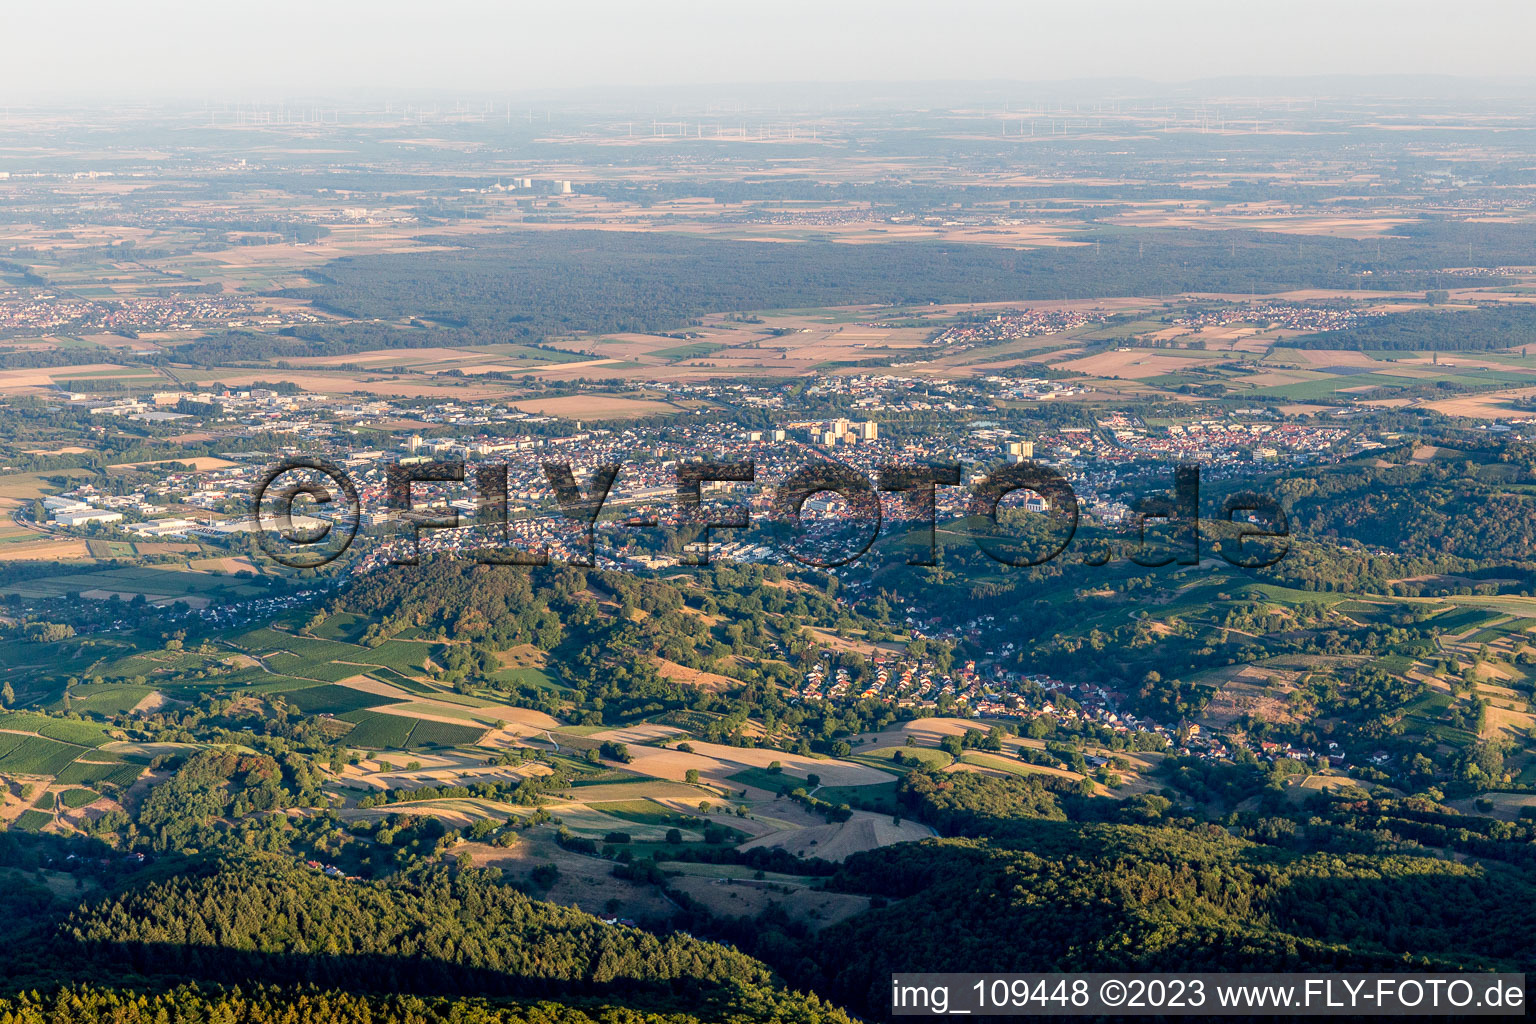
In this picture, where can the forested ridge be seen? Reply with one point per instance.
(1487, 328)
(275, 1005)
(520, 288)
(1469, 503)
(230, 920)
(1013, 888)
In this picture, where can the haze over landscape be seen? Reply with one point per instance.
(679, 512)
(175, 49)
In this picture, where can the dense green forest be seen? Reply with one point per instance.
(431, 934)
(1470, 504)
(1487, 328)
(521, 288)
(273, 1005)
(1018, 889)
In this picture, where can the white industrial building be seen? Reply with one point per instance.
(78, 516)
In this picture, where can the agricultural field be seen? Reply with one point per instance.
(742, 894)
(370, 729)
(641, 812)
(156, 584)
(35, 755)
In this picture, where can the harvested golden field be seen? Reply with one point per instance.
(645, 733)
(1332, 357)
(1135, 363)
(526, 717)
(521, 656)
(228, 564)
(1278, 378)
(1489, 405)
(457, 813)
(44, 549)
(864, 831)
(377, 687)
(347, 383)
(718, 761)
(19, 380)
(596, 407)
(676, 673)
(1505, 721)
(201, 462)
(1505, 805)
(1336, 784)
(1260, 219)
(863, 647)
(926, 731)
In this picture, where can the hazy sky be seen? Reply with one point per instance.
(201, 48)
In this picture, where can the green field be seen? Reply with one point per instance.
(1329, 387)
(678, 353)
(346, 627)
(595, 824)
(443, 734)
(31, 821)
(397, 732)
(35, 755)
(1497, 632)
(106, 699)
(525, 676)
(1462, 619)
(762, 778)
(157, 584)
(642, 812)
(885, 758)
(121, 774)
(1000, 764)
(881, 797)
(333, 659)
(400, 655)
(86, 734)
(263, 683)
(325, 671)
(332, 700)
(307, 650)
(527, 353)
(383, 732)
